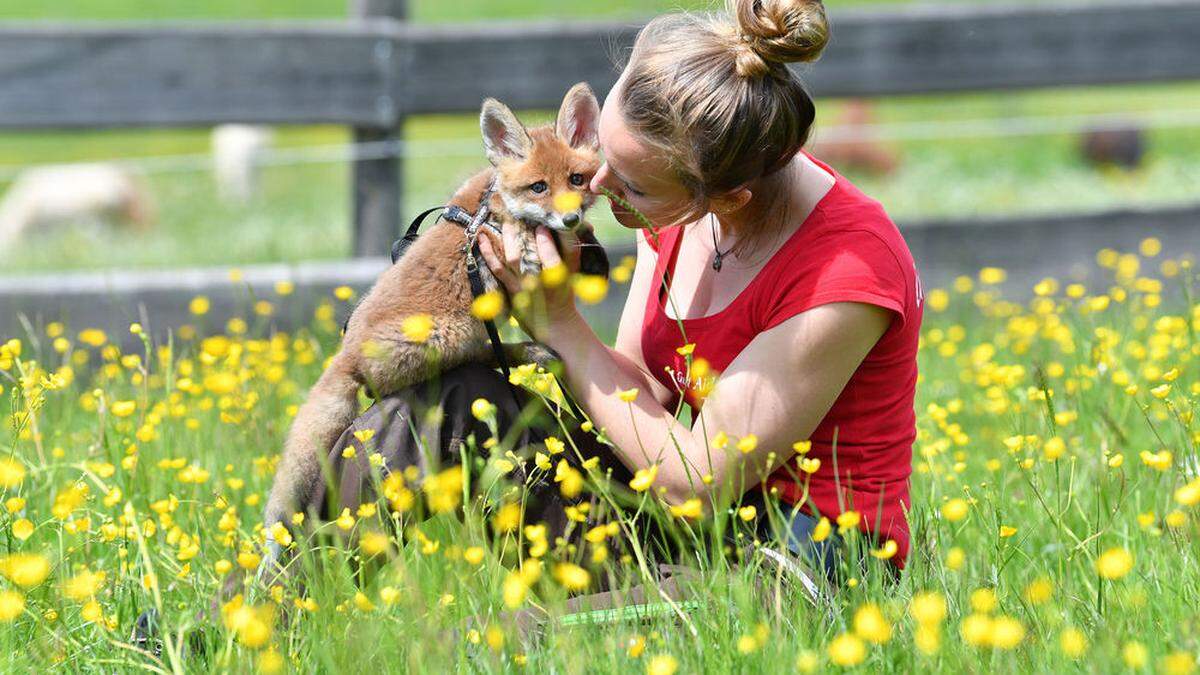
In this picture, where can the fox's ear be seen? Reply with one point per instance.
(504, 137)
(578, 118)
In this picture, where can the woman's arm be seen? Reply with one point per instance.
(778, 388)
(627, 349)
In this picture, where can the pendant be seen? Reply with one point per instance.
(717, 263)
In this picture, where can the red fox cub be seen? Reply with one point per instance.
(532, 170)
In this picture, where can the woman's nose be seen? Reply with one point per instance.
(598, 179)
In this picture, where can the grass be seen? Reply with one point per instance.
(303, 210)
(1054, 512)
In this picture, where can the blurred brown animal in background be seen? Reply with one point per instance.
(1124, 147)
(532, 171)
(863, 153)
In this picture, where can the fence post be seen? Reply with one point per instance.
(377, 180)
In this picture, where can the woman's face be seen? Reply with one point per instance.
(637, 173)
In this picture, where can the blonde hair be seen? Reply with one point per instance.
(713, 93)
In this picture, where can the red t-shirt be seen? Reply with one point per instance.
(846, 250)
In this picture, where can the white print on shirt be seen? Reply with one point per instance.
(920, 291)
(685, 382)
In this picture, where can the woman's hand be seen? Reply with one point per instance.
(542, 304)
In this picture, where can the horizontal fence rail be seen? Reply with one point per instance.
(1029, 247)
(374, 71)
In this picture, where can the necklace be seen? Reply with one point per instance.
(718, 254)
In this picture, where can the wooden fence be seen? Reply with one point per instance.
(373, 70)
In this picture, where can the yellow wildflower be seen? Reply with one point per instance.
(488, 305)
(1114, 563)
(644, 478)
(417, 327)
(691, 508)
(847, 650)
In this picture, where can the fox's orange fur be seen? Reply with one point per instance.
(431, 279)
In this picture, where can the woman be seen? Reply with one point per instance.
(793, 286)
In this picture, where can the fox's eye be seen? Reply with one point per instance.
(576, 179)
(539, 187)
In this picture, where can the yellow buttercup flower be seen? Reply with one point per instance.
(12, 605)
(746, 444)
(644, 478)
(871, 625)
(1160, 460)
(123, 408)
(473, 555)
(12, 472)
(22, 529)
(567, 201)
(417, 327)
(848, 520)
(887, 551)
(1039, 591)
(1073, 642)
(1006, 632)
(928, 607)
(554, 276)
(955, 510)
(25, 569)
(822, 530)
(482, 409)
(199, 306)
(569, 479)
(1135, 655)
(571, 576)
(691, 509)
(847, 650)
(1114, 563)
(591, 289)
(488, 305)
(83, 585)
(1189, 495)
(663, 664)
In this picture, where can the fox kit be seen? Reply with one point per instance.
(530, 169)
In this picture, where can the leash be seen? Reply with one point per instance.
(471, 224)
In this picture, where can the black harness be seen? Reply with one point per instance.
(471, 224)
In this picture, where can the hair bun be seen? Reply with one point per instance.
(778, 31)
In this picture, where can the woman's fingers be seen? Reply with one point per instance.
(547, 251)
(512, 246)
(502, 273)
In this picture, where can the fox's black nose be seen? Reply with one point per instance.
(571, 219)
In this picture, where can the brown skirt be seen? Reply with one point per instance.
(427, 426)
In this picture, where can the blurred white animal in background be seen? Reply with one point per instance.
(68, 194)
(237, 151)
